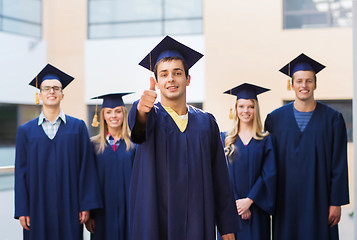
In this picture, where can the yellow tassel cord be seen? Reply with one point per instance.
(289, 85)
(37, 98)
(95, 122)
(230, 114)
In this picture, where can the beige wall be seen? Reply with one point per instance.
(65, 31)
(245, 42)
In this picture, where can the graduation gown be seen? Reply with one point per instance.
(180, 186)
(312, 172)
(55, 179)
(114, 171)
(252, 170)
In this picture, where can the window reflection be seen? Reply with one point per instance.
(22, 17)
(135, 18)
(317, 13)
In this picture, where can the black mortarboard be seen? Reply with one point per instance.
(51, 72)
(302, 63)
(246, 91)
(169, 47)
(112, 100)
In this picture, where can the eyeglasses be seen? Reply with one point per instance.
(56, 89)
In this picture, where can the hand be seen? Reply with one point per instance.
(246, 215)
(334, 215)
(148, 98)
(83, 217)
(90, 225)
(25, 222)
(243, 205)
(229, 236)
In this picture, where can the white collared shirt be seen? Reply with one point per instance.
(51, 128)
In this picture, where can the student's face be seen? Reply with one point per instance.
(245, 110)
(113, 117)
(171, 80)
(51, 92)
(304, 85)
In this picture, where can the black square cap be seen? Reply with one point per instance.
(51, 72)
(112, 100)
(246, 91)
(169, 47)
(302, 63)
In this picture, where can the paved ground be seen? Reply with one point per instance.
(346, 224)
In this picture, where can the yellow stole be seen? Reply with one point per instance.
(181, 123)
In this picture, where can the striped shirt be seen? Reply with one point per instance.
(51, 128)
(112, 143)
(302, 118)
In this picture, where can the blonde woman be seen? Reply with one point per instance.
(251, 164)
(114, 158)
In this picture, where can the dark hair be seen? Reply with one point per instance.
(167, 59)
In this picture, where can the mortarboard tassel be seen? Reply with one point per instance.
(37, 98)
(95, 122)
(289, 85)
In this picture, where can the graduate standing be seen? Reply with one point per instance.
(180, 187)
(56, 182)
(311, 158)
(114, 158)
(252, 167)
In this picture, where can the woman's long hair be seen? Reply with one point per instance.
(101, 137)
(257, 130)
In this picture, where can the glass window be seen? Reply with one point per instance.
(135, 18)
(317, 13)
(8, 123)
(21, 17)
(11, 116)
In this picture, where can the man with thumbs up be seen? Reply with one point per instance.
(180, 187)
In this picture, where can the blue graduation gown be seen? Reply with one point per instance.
(55, 179)
(180, 186)
(312, 172)
(253, 174)
(114, 171)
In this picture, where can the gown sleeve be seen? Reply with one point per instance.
(21, 188)
(139, 133)
(263, 192)
(230, 169)
(339, 175)
(267, 124)
(89, 190)
(226, 213)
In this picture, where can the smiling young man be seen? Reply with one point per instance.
(56, 181)
(180, 187)
(311, 158)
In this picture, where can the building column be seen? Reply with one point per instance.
(65, 33)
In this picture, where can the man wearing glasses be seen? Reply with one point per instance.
(56, 182)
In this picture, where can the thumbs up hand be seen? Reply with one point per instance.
(148, 98)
